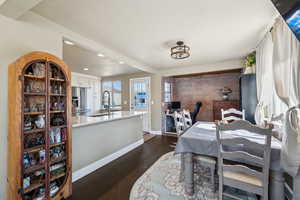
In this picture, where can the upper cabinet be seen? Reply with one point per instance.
(93, 85)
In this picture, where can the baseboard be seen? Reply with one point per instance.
(288, 192)
(104, 161)
(156, 132)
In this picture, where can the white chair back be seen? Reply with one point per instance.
(232, 114)
(187, 119)
(240, 175)
(179, 123)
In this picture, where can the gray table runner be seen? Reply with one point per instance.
(201, 139)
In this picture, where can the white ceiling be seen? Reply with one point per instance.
(78, 58)
(216, 30)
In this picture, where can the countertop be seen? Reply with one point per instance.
(79, 121)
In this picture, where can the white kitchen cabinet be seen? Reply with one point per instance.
(93, 85)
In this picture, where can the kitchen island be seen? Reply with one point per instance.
(101, 139)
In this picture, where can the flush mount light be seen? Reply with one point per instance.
(100, 55)
(121, 62)
(85, 69)
(69, 42)
(181, 51)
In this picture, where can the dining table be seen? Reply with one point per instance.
(201, 139)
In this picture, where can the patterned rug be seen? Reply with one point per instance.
(161, 182)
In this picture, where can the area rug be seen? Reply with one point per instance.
(161, 182)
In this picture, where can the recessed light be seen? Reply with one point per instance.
(85, 69)
(69, 42)
(121, 62)
(100, 55)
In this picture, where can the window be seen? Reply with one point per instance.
(168, 92)
(115, 89)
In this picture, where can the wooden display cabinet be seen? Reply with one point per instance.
(39, 140)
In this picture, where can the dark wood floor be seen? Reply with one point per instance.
(114, 181)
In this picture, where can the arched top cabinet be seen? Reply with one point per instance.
(39, 140)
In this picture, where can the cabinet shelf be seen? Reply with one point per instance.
(57, 144)
(62, 126)
(57, 111)
(56, 160)
(33, 186)
(37, 130)
(53, 178)
(34, 76)
(57, 95)
(57, 79)
(34, 168)
(34, 94)
(33, 113)
(34, 149)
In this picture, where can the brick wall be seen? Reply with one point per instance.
(204, 88)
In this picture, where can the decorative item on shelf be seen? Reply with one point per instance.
(57, 120)
(33, 108)
(34, 86)
(40, 121)
(27, 123)
(61, 105)
(180, 51)
(64, 134)
(225, 92)
(26, 182)
(40, 107)
(57, 166)
(55, 135)
(26, 161)
(42, 155)
(249, 63)
(39, 69)
(33, 141)
(57, 152)
(26, 107)
(56, 73)
(53, 189)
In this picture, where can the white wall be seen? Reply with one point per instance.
(219, 66)
(16, 39)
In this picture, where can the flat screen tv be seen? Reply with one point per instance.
(290, 11)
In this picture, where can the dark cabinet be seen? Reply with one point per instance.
(248, 95)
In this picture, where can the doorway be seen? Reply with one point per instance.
(140, 97)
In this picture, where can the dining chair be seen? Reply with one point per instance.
(254, 179)
(187, 119)
(232, 114)
(179, 123)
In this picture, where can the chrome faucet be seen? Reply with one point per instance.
(108, 100)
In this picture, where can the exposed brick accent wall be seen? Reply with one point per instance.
(204, 88)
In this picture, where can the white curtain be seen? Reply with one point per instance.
(264, 78)
(269, 104)
(286, 60)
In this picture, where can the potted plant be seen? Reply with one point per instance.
(249, 64)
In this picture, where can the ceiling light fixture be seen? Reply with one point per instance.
(85, 69)
(121, 62)
(69, 42)
(100, 55)
(181, 51)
